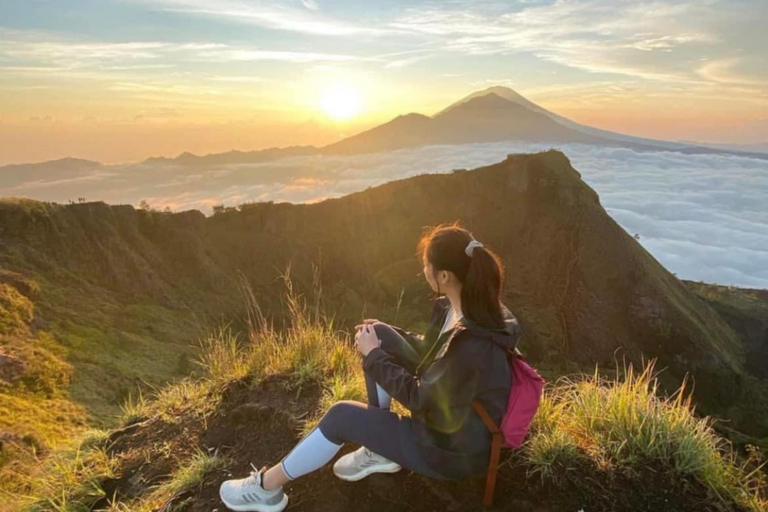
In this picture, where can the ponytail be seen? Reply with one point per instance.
(481, 289)
(481, 274)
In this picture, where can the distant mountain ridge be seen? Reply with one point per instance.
(235, 157)
(494, 114)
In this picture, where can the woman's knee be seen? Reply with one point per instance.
(338, 416)
(393, 343)
(383, 329)
(389, 339)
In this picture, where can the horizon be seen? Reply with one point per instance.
(125, 80)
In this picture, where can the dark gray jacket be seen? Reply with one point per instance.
(467, 362)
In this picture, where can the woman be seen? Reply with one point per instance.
(461, 358)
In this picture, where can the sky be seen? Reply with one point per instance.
(123, 80)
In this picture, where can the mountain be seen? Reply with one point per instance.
(485, 118)
(59, 170)
(491, 118)
(60, 165)
(235, 157)
(606, 135)
(499, 114)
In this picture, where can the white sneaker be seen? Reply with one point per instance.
(248, 494)
(361, 463)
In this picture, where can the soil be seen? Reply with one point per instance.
(259, 424)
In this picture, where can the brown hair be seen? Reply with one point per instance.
(481, 275)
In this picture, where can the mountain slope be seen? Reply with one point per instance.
(235, 157)
(405, 131)
(59, 170)
(491, 118)
(605, 135)
(486, 118)
(123, 291)
(499, 114)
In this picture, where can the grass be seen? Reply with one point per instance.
(608, 423)
(173, 403)
(188, 476)
(93, 351)
(133, 409)
(69, 481)
(310, 350)
(621, 422)
(625, 422)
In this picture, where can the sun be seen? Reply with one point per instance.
(341, 102)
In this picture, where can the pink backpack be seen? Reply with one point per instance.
(523, 402)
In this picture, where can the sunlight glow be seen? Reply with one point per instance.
(341, 102)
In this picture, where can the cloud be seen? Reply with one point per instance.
(42, 119)
(310, 4)
(722, 72)
(237, 55)
(704, 217)
(66, 52)
(271, 15)
(70, 55)
(162, 113)
(652, 40)
(237, 79)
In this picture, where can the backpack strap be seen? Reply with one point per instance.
(493, 463)
(485, 417)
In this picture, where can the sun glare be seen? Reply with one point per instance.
(341, 102)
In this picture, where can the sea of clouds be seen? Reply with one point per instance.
(704, 217)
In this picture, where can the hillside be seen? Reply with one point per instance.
(98, 300)
(597, 444)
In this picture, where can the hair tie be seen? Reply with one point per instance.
(470, 247)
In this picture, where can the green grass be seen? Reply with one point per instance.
(608, 424)
(612, 423)
(187, 477)
(624, 422)
(134, 408)
(69, 481)
(78, 368)
(192, 473)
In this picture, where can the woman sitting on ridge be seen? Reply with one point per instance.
(461, 358)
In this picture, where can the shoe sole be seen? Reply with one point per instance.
(369, 471)
(256, 507)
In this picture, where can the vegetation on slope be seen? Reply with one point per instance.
(117, 295)
(596, 443)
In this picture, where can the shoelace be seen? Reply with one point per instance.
(364, 453)
(253, 477)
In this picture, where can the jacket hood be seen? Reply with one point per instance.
(506, 337)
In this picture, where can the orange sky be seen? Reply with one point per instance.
(118, 81)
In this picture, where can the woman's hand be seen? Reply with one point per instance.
(367, 321)
(366, 339)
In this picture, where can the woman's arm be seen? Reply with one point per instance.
(448, 384)
(407, 334)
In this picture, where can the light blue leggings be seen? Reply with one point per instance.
(373, 425)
